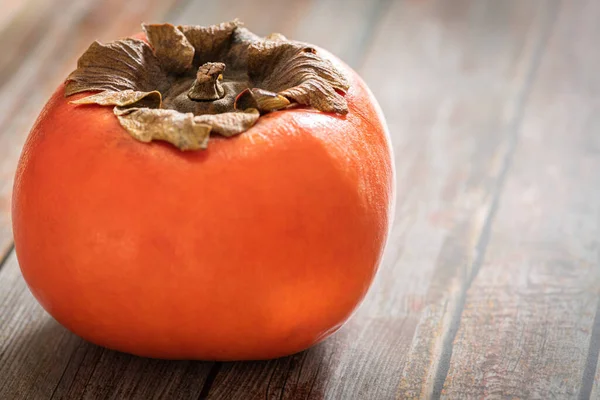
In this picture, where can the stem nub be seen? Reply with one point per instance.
(207, 85)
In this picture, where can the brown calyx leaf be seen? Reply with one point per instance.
(295, 71)
(191, 80)
(117, 66)
(171, 47)
(211, 43)
(261, 99)
(231, 123)
(179, 129)
(125, 98)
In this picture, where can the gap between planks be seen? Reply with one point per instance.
(7, 253)
(591, 362)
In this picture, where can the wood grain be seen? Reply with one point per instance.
(529, 313)
(460, 69)
(489, 286)
(34, 350)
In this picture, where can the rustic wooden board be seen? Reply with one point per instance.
(462, 66)
(529, 318)
(452, 78)
(32, 354)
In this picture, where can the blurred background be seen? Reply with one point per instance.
(490, 285)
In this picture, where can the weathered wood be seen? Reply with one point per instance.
(451, 78)
(34, 350)
(40, 46)
(461, 67)
(529, 314)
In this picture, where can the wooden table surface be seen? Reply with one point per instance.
(490, 284)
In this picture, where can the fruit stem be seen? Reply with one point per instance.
(207, 85)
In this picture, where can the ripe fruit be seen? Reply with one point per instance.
(140, 230)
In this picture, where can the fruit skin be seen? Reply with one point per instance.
(258, 247)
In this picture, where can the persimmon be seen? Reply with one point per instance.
(204, 193)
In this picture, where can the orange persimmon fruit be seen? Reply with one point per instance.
(258, 246)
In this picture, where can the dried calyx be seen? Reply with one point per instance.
(192, 80)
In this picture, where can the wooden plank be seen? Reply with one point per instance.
(10, 9)
(42, 43)
(529, 314)
(20, 26)
(345, 28)
(33, 348)
(462, 67)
